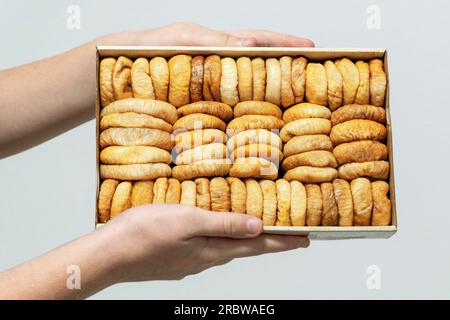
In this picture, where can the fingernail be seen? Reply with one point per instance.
(302, 242)
(254, 226)
(305, 243)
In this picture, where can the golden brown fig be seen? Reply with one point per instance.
(220, 194)
(159, 72)
(298, 204)
(203, 198)
(259, 79)
(173, 194)
(106, 81)
(254, 168)
(248, 122)
(350, 79)
(334, 82)
(136, 137)
(212, 78)
(358, 111)
(142, 193)
(363, 94)
(254, 198)
(316, 84)
(360, 151)
(356, 130)
(362, 201)
(283, 202)
(330, 215)
(204, 168)
(311, 174)
(188, 193)
(315, 158)
(287, 94)
(269, 191)
(273, 81)
(213, 108)
(197, 121)
(299, 78)
(245, 78)
(179, 79)
(158, 109)
(300, 144)
(256, 108)
(122, 79)
(344, 200)
(202, 152)
(381, 215)
(306, 110)
(160, 190)
(238, 195)
(303, 127)
(229, 81)
(252, 136)
(105, 195)
(134, 120)
(371, 169)
(196, 85)
(190, 139)
(141, 82)
(134, 155)
(314, 205)
(121, 200)
(147, 171)
(378, 82)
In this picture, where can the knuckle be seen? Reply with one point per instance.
(184, 25)
(227, 226)
(209, 257)
(229, 39)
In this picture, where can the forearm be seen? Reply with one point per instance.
(45, 98)
(54, 275)
(42, 99)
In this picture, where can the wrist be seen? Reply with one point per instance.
(110, 257)
(125, 38)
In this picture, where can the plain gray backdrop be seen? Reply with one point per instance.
(47, 194)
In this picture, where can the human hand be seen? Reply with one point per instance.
(191, 34)
(164, 242)
(21, 130)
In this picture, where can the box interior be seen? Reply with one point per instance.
(312, 54)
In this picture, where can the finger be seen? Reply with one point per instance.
(225, 249)
(191, 34)
(224, 224)
(265, 38)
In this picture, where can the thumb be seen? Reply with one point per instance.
(228, 225)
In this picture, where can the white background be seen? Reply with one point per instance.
(47, 193)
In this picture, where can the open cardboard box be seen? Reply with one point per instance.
(312, 54)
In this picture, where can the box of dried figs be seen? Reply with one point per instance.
(298, 137)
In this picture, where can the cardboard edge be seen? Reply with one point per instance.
(392, 195)
(97, 134)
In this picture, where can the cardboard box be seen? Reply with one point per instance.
(312, 54)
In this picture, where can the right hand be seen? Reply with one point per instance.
(163, 242)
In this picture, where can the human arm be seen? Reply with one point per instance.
(45, 98)
(153, 242)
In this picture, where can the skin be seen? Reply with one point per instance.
(174, 240)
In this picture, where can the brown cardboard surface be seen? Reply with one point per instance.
(313, 54)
